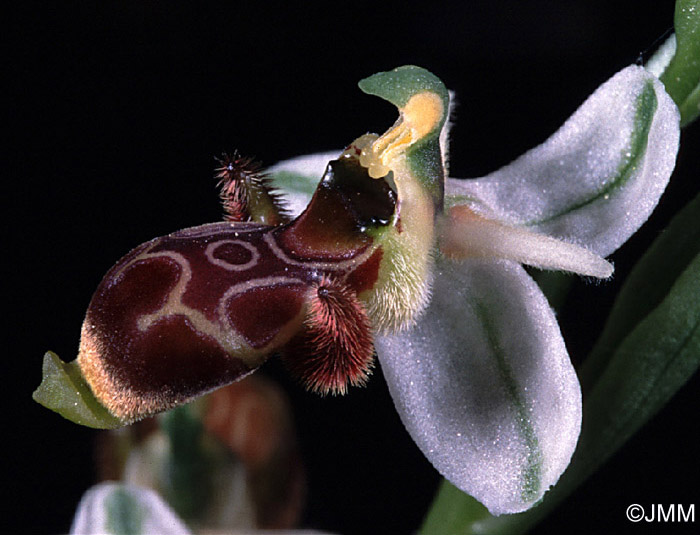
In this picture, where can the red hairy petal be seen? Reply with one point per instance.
(246, 192)
(335, 349)
(233, 173)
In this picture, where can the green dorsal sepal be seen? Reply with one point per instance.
(423, 101)
(399, 85)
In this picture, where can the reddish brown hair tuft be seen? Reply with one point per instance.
(335, 349)
(246, 192)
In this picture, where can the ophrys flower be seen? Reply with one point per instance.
(480, 373)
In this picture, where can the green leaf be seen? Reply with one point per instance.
(646, 286)
(651, 364)
(63, 389)
(454, 513)
(682, 76)
(555, 285)
(690, 107)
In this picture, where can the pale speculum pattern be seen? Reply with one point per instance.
(197, 309)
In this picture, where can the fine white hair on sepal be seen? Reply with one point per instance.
(658, 63)
(312, 165)
(598, 178)
(484, 384)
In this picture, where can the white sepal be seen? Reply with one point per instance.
(116, 508)
(598, 178)
(484, 385)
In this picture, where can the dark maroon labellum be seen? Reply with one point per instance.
(189, 312)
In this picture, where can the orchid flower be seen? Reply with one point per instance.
(116, 508)
(483, 381)
(229, 461)
(389, 253)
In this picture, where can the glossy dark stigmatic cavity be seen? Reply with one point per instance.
(346, 204)
(199, 308)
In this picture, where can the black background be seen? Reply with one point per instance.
(116, 111)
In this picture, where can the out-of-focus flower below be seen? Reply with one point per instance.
(230, 461)
(127, 509)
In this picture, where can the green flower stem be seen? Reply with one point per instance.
(682, 76)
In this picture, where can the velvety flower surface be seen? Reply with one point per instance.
(483, 381)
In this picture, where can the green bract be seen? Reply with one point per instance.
(682, 75)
